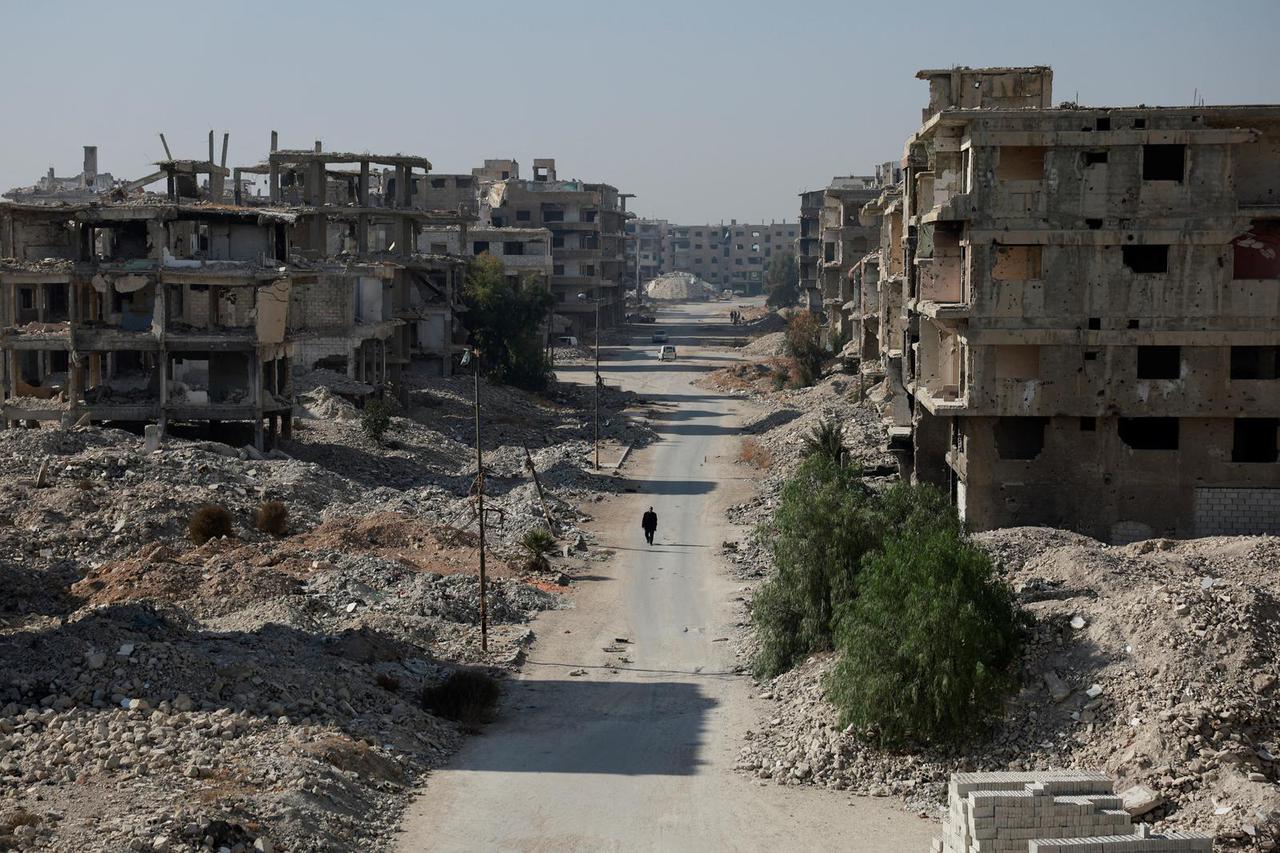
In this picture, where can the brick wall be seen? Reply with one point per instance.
(1237, 512)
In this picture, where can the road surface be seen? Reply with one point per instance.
(642, 758)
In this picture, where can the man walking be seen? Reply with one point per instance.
(650, 524)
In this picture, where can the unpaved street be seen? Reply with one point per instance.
(640, 756)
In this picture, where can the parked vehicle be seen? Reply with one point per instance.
(567, 341)
(667, 353)
(660, 336)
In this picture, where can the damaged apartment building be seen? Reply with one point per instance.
(733, 256)
(1077, 309)
(198, 303)
(585, 224)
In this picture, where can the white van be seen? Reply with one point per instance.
(667, 353)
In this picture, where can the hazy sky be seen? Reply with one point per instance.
(706, 110)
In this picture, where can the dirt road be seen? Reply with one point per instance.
(641, 758)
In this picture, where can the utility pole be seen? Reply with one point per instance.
(473, 355)
(582, 297)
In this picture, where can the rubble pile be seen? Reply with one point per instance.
(680, 287)
(255, 690)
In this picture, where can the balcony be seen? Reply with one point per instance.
(571, 226)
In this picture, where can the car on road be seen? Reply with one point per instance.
(667, 353)
(660, 337)
(567, 341)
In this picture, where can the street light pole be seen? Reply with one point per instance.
(472, 355)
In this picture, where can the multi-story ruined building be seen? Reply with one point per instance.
(1090, 300)
(732, 256)
(196, 304)
(808, 248)
(646, 250)
(845, 240)
(587, 242)
(156, 310)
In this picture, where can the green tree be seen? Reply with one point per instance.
(928, 644)
(825, 523)
(506, 322)
(782, 280)
(804, 344)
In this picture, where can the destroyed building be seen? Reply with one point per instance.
(158, 310)
(808, 248)
(585, 221)
(86, 186)
(646, 256)
(1087, 334)
(370, 298)
(198, 303)
(845, 241)
(732, 256)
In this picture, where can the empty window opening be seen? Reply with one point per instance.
(1019, 438)
(1020, 163)
(1159, 362)
(1254, 440)
(437, 183)
(1094, 158)
(1146, 259)
(1134, 324)
(1017, 263)
(513, 247)
(1091, 355)
(1139, 123)
(479, 247)
(1163, 162)
(439, 248)
(1149, 433)
(523, 215)
(1255, 362)
(1103, 123)
(1093, 224)
(1088, 424)
(1095, 323)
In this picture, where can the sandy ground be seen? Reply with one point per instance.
(623, 728)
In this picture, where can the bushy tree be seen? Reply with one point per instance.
(506, 322)
(782, 280)
(825, 523)
(927, 645)
(803, 342)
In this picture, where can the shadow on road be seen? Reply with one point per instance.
(651, 728)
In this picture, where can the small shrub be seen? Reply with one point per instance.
(538, 544)
(466, 696)
(754, 453)
(804, 344)
(375, 419)
(387, 682)
(272, 517)
(84, 485)
(826, 439)
(209, 522)
(927, 647)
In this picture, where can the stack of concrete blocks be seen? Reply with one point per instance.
(1062, 811)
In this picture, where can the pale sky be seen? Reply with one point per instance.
(707, 111)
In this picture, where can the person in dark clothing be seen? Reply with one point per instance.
(650, 524)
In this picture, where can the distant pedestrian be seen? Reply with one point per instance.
(650, 524)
